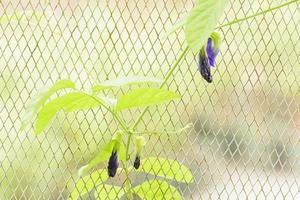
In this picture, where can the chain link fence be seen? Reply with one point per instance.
(244, 143)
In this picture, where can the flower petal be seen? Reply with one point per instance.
(137, 162)
(211, 52)
(113, 164)
(204, 67)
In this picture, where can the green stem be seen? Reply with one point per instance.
(258, 14)
(127, 146)
(127, 181)
(125, 128)
(128, 184)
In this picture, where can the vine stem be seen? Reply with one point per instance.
(128, 184)
(258, 14)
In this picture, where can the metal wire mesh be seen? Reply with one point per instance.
(245, 140)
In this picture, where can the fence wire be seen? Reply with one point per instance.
(244, 143)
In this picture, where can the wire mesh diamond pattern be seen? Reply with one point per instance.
(244, 143)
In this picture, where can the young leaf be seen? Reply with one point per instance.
(124, 81)
(87, 183)
(40, 98)
(202, 21)
(167, 168)
(108, 192)
(157, 189)
(144, 97)
(69, 102)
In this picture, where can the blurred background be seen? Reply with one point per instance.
(245, 137)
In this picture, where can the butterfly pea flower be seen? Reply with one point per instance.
(204, 67)
(139, 143)
(207, 56)
(211, 52)
(113, 162)
(137, 162)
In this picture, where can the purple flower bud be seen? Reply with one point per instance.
(204, 67)
(113, 164)
(211, 52)
(137, 162)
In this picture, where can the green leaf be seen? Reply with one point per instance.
(180, 23)
(40, 98)
(167, 168)
(70, 102)
(157, 189)
(144, 97)
(87, 183)
(201, 22)
(124, 81)
(63, 84)
(108, 192)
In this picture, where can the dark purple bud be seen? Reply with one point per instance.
(137, 162)
(113, 164)
(204, 67)
(211, 52)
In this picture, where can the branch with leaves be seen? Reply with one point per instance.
(198, 25)
(114, 150)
